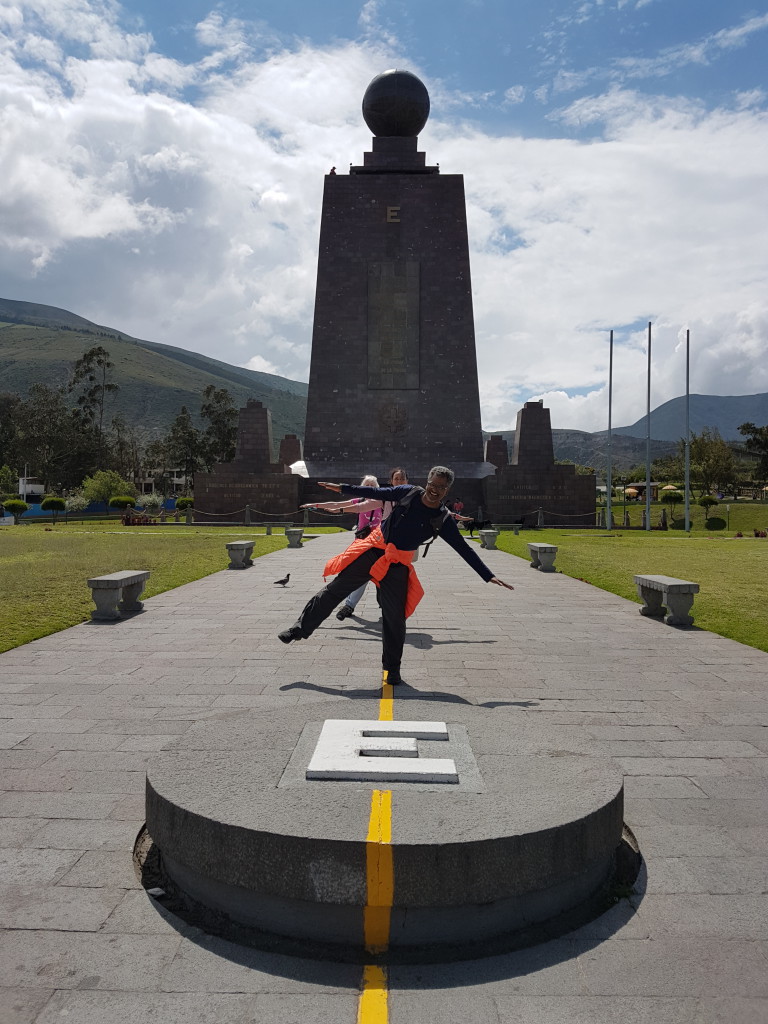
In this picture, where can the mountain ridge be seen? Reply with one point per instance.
(156, 379)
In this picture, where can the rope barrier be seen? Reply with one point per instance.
(328, 514)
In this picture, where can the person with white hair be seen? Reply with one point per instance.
(367, 521)
(385, 556)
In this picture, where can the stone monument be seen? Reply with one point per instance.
(393, 376)
(253, 478)
(533, 482)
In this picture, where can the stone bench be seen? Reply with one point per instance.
(268, 527)
(240, 552)
(656, 592)
(488, 539)
(542, 556)
(117, 594)
(294, 537)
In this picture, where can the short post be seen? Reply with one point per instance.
(176, 516)
(516, 528)
(294, 536)
(162, 515)
(626, 519)
(188, 515)
(269, 529)
(306, 517)
(540, 519)
(247, 515)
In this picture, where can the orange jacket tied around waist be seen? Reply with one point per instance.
(379, 569)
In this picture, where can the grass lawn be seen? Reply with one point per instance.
(43, 571)
(727, 517)
(732, 574)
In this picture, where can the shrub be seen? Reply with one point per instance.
(102, 485)
(51, 503)
(151, 503)
(707, 502)
(76, 502)
(182, 503)
(121, 501)
(16, 507)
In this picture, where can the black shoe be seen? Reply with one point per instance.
(394, 678)
(344, 612)
(294, 633)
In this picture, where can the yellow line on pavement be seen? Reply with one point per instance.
(380, 882)
(372, 1007)
(379, 873)
(386, 703)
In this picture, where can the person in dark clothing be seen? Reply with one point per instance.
(419, 515)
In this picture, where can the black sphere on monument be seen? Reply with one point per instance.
(396, 103)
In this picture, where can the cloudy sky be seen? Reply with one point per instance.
(162, 163)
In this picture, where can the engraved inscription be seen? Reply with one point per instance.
(393, 215)
(393, 324)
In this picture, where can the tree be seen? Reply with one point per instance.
(185, 445)
(667, 469)
(104, 484)
(16, 507)
(712, 462)
(220, 435)
(671, 498)
(9, 481)
(53, 504)
(91, 374)
(757, 441)
(49, 439)
(157, 461)
(707, 503)
(9, 418)
(125, 443)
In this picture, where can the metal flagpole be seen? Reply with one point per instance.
(648, 439)
(687, 432)
(608, 480)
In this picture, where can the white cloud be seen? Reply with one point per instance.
(515, 94)
(260, 363)
(703, 51)
(197, 224)
(670, 60)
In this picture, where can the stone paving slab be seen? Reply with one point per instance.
(84, 710)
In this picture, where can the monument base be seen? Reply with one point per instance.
(525, 843)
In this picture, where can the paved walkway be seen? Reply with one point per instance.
(684, 712)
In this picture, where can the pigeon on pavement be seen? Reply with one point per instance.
(283, 581)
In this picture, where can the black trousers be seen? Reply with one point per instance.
(392, 594)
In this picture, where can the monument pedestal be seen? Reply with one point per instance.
(526, 835)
